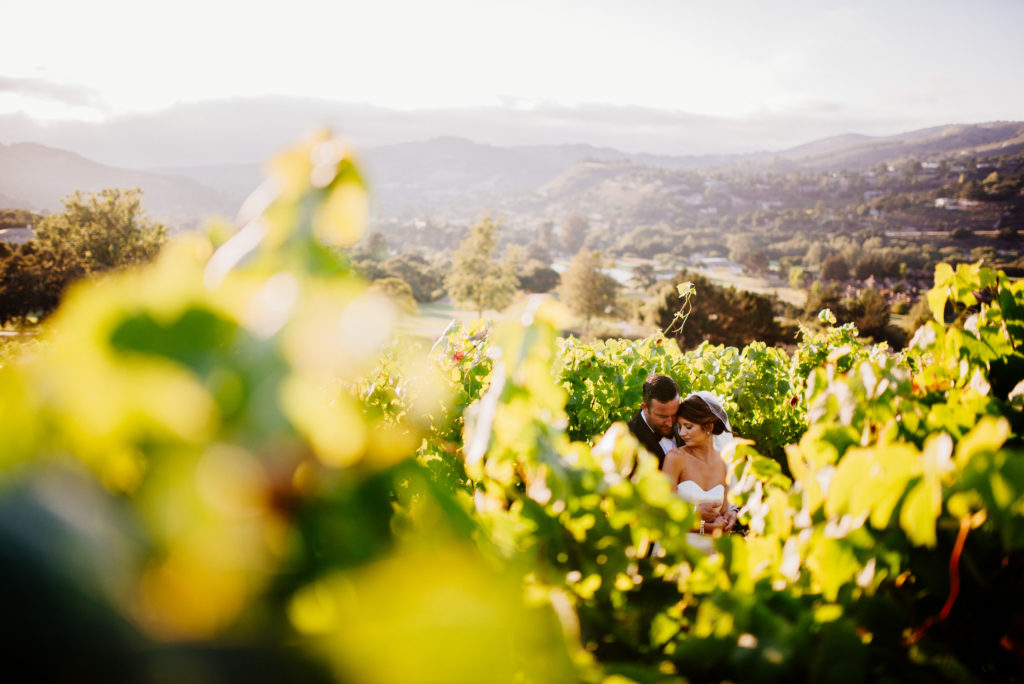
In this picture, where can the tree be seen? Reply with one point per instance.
(574, 232)
(825, 297)
(835, 268)
(424, 277)
(814, 256)
(536, 252)
(376, 246)
(537, 276)
(33, 278)
(757, 262)
(870, 313)
(719, 315)
(586, 289)
(1007, 233)
(797, 278)
(644, 276)
(919, 314)
(476, 277)
(399, 292)
(104, 230)
(741, 247)
(17, 218)
(969, 190)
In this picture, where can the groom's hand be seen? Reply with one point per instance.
(731, 516)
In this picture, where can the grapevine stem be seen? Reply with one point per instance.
(954, 567)
(954, 583)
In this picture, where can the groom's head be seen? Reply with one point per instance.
(661, 401)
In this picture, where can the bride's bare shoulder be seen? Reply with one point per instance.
(675, 463)
(675, 454)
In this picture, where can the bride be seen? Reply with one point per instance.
(697, 469)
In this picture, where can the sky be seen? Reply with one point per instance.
(824, 67)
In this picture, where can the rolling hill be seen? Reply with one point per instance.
(855, 151)
(456, 177)
(37, 178)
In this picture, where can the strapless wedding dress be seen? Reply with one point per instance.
(695, 494)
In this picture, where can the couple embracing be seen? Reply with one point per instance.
(680, 432)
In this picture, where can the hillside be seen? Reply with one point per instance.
(852, 152)
(456, 178)
(827, 145)
(232, 182)
(37, 178)
(456, 175)
(460, 175)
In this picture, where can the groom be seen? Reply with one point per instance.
(653, 425)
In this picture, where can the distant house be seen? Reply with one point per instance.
(720, 262)
(17, 236)
(950, 203)
(872, 194)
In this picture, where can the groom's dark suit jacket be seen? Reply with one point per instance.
(648, 438)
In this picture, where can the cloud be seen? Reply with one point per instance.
(71, 95)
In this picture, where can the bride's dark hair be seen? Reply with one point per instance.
(695, 410)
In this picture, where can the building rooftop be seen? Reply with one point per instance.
(17, 236)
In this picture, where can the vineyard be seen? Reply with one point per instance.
(227, 467)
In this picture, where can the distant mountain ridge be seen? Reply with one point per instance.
(37, 178)
(854, 151)
(456, 170)
(460, 178)
(826, 145)
(458, 174)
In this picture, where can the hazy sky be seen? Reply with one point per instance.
(866, 64)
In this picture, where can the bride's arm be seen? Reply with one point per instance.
(729, 513)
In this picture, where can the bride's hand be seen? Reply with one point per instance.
(708, 512)
(711, 519)
(718, 523)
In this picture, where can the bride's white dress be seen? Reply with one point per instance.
(695, 494)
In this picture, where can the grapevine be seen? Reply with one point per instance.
(228, 457)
